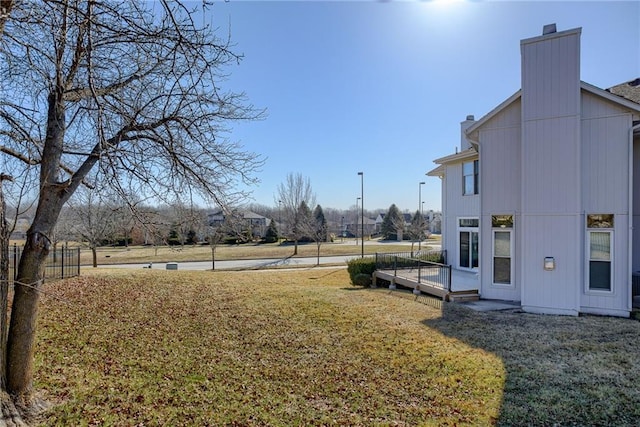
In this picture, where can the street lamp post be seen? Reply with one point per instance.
(362, 211)
(355, 231)
(420, 184)
(279, 220)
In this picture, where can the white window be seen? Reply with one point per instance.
(470, 178)
(600, 253)
(468, 242)
(502, 248)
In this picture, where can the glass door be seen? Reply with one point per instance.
(468, 243)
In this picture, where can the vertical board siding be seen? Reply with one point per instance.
(457, 206)
(548, 236)
(500, 166)
(605, 172)
(605, 168)
(636, 205)
(551, 76)
(550, 166)
(593, 106)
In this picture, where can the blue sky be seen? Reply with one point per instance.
(381, 87)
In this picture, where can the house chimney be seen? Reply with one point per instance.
(549, 29)
(551, 74)
(464, 143)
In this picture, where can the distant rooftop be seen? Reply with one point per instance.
(629, 90)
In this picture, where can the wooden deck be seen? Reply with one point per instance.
(464, 285)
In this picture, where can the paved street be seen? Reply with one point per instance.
(243, 263)
(252, 263)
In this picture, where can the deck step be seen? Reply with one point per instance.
(463, 296)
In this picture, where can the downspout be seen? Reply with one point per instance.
(476, 146)
(630, 219)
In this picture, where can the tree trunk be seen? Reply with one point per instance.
(4, 285)
(24, 309)
(10, 415)
(23, 316)
(94, 255)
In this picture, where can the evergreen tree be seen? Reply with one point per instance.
(392, 223)
(271, 236)
(320, 224)
(319, 228)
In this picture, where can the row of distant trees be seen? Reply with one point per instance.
(99, 218)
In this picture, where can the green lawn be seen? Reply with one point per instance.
(303, 347)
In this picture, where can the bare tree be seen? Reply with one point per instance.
(129, 88)
(417, 229)
(92, 219)
(185, 220)
(291, 194)
(231, 227)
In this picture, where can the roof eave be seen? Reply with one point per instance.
(612, 97)
(471, 132)
(468, 153)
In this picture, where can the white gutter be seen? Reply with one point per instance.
(631, 214)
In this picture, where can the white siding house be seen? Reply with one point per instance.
(556, 206)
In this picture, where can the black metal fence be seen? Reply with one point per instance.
(389, 260)
(428, 267)
(61, 263)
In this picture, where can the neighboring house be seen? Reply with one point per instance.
(543, 199)
(258, 224)
(354, 229)
(432, 219)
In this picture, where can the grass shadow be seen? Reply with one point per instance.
(559, 370)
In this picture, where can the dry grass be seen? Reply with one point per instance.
(560, 370)
(304, 348)
(276, 348)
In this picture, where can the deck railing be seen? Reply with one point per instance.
(61, 263)
(437, 274)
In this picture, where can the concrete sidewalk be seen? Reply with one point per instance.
(490, 305)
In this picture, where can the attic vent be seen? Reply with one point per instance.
(549, 29)
(470, 117)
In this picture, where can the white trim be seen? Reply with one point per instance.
(495, 230)
(475, 174)
(470, 230)
(474, 127)
(458, 157)
(605, 311)
(610, 96)
(588, 290)
(549, 310)
(469, 133)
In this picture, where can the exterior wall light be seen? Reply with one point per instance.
(549, 263)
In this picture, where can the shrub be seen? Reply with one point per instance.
(362, 279)
(357, 266)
